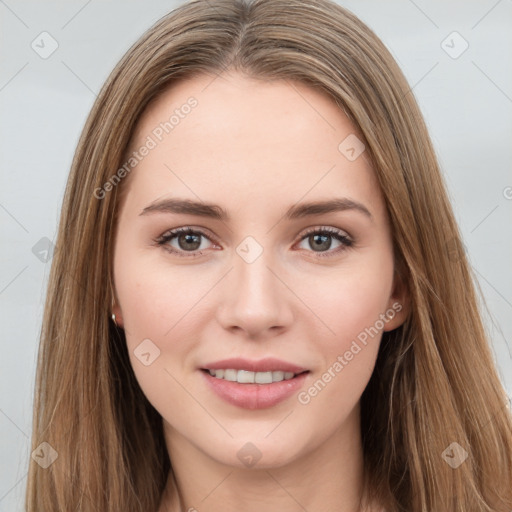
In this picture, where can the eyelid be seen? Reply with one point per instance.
(329, 229)
(188, 229)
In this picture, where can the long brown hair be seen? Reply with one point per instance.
(434, 383)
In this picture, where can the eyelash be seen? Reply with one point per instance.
(334, 233)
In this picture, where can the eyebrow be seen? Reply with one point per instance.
(298, 211)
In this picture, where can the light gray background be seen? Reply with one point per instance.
(467, 103)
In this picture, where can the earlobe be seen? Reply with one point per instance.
(396, 315)
(398, 305)
(117, 316)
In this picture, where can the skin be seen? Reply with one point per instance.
(255, 148)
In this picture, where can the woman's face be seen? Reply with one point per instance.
(264, 278)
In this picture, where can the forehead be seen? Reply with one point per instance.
(235, 140)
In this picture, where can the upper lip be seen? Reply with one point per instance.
(268, 364)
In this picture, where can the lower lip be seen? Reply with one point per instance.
(254, 396)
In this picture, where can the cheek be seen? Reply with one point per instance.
(350, 304)
(350, 300)
(154, 296)
(162, 317)
(155, 317)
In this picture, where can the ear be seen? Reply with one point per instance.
(399, 303)
(116, 310)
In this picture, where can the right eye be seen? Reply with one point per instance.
(187, 240)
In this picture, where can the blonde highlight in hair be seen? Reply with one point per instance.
(434, 381)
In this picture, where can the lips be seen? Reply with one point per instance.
(254, 384)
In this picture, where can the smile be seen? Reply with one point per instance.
(249, 377)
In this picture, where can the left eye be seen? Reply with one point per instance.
(321, 240)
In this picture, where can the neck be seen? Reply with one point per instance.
(329, 477)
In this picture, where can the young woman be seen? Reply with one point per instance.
(259, 299)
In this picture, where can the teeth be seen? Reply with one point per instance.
(248, 377)
(278, 376)
(229, 375)
(263, 377)
(245, 377)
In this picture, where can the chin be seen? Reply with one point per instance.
(253, 454)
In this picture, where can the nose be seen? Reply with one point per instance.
(255, 299)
